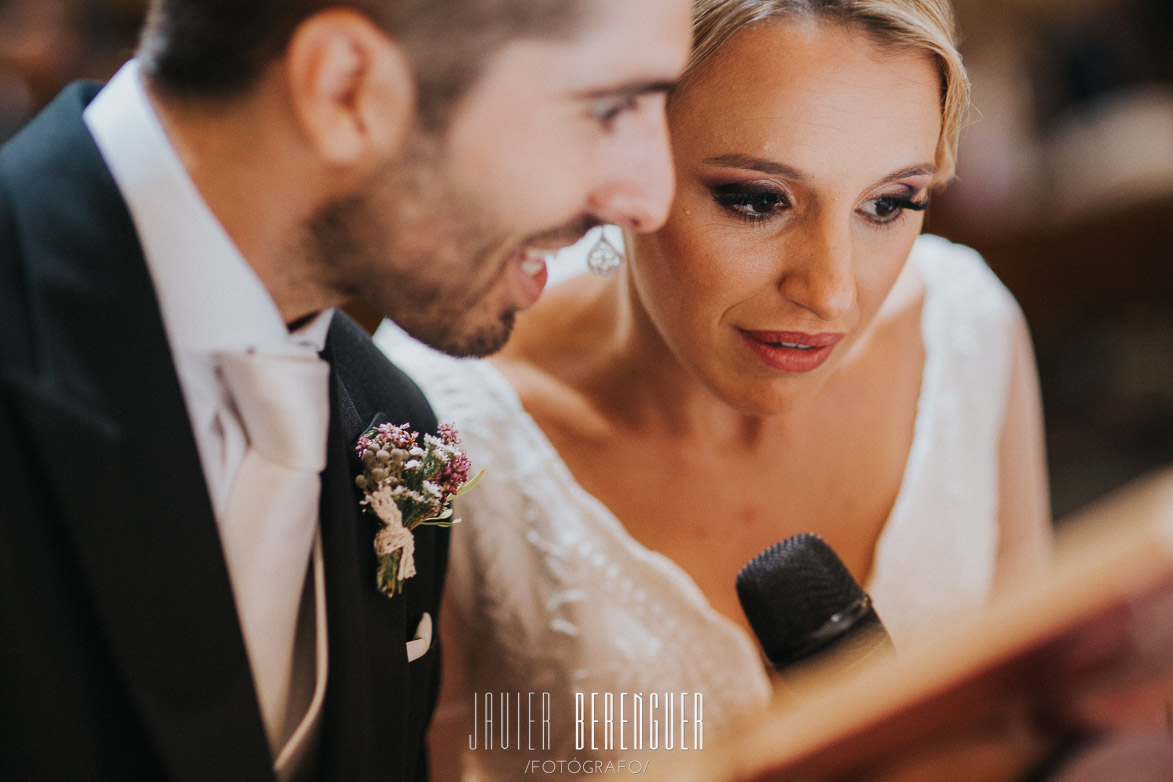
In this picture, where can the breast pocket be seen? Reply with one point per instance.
(421, 640)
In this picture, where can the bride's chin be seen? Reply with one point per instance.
(768, 399)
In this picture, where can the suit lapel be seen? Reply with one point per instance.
(103, 390)
(366, 705)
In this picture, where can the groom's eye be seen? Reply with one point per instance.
(606, 111)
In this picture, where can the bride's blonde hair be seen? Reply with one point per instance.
(922, 25)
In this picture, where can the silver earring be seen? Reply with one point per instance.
(604, 258)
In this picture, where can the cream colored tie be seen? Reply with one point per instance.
(272, 512)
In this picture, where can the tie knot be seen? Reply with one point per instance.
(283, 402)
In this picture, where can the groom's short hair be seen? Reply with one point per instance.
(218, 48)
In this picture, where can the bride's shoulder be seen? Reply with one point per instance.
(959, 275)
(554, 349)
(557, 334)
(945, 293)
(564, 320)
(946, 284)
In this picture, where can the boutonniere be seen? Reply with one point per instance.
(407, 483)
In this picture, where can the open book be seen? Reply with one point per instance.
(1091, 642)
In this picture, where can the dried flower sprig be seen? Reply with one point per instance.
(408, 483)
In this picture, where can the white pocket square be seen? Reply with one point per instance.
(422, 640)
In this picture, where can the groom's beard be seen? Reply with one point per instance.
(422, 254)
(427, 255)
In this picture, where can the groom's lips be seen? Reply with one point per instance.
(791, 351)
(530, 260)
(530, 273)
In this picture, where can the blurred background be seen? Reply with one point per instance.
(1065, 184)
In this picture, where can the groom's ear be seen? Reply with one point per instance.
(351, 87)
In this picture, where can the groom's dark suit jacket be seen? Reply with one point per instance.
(120, 652)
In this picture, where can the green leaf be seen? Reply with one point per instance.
(452, 523)
(469, 484)
(438, 517)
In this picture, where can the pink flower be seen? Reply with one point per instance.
(406, 484)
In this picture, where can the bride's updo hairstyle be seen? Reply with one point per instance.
(898, 25)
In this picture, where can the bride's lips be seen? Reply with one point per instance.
(791, 351)
(529, 270)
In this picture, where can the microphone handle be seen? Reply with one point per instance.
(852, 633)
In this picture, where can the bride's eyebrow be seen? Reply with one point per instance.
(924, 169)
(751, 163)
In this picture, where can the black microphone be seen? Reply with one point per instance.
(801, 600)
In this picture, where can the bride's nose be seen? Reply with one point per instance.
(818, 273)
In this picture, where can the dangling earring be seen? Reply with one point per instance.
(604, 258)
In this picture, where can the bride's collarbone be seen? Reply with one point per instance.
(709, 510)
(814, 477)
(711, 507)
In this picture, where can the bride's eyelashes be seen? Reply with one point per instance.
(886, 210)
(757, 203)
(750, 201)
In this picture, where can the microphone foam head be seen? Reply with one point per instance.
(793, 592)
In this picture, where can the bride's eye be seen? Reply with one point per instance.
(887, 209)
(751, 202)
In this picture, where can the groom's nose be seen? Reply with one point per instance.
(637, 182)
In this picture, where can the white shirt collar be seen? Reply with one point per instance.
(210, 298)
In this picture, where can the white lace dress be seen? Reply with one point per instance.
(556, 597)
